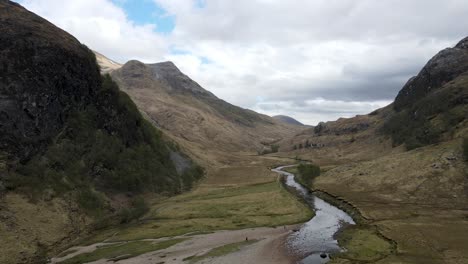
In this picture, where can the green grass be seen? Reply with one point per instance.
(220, 251)
(292, 170)
(363, 243)
(267, 204)
(125, 250)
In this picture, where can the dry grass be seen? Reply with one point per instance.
(414, 198)
(24, 226)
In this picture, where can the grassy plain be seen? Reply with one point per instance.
(234, 197)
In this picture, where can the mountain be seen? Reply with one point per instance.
(288, 120)
(403, 166)
(75, 152)
(105, 64)
(194, 117)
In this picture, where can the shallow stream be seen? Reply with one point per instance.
(315, 238)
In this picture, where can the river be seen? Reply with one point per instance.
(315, 237)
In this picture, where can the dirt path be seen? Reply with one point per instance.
(269, 249)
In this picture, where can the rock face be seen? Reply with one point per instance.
(288, 120)
(41, 79)
(442, 68)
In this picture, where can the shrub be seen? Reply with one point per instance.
(465, 148)
(307, 173)
(137, 210)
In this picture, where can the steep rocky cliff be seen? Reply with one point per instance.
(447, 65)
(75, 152)
(44, 74)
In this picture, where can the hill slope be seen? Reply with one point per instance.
(288, 120)
(75, 153)
(195, 117)
(403, 166)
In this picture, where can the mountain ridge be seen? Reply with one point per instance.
(288, 120)
(177, 104)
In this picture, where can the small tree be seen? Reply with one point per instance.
(274, 148)
(307, 173)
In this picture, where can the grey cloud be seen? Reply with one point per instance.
(354, 54)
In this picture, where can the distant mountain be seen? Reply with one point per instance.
(288, 120)
(193, 116)
(105, 64)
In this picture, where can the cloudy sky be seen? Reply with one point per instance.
(315, 60)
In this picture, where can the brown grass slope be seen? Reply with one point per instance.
(199, 121)
(402, 166)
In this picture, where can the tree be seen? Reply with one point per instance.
(307, 173)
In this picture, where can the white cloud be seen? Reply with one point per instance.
(355, 54)
(104, 27)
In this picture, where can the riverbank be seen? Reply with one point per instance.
(362, 241)
(253, 245)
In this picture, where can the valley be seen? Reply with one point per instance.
(108, 162)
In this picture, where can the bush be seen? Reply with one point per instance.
(307, 173)
(465, 148)
(138, 209)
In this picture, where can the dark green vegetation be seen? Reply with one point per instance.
(121, 251)
(426, 121)
(269, 150)
(220, 251)
(465, 148)
(109, 146)
(433, 104)
(69, 132)
(306, 173)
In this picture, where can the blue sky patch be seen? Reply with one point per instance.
(147, 12)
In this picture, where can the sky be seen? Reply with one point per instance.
(314, 60)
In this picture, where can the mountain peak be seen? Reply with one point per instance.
(167, 72)
(463, 44)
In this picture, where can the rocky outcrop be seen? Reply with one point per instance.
(44, 74)
(442, 68)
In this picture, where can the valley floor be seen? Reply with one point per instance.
(413, 199)
(246, 200)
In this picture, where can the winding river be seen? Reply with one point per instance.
(315, 238)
